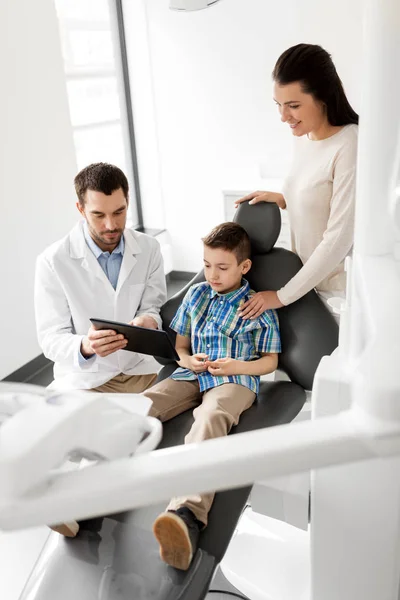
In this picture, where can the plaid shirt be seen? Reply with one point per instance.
(212, 322)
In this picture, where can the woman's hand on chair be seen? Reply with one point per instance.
(260, 196)
(258, 303)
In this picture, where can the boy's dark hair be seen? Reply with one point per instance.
(313, 67)
(230, 236)
(100, 177)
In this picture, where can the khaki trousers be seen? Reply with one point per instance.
(215, 413)
(127, 384)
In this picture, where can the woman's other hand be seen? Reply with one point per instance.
(260, 196)
(258, 303)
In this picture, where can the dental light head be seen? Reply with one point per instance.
(186, 5)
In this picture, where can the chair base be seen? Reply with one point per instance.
(268, 559)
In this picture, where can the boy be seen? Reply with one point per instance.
(221, 359)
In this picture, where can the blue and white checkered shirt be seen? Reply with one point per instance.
(211, 321)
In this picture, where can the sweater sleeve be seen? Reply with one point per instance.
(338, 237)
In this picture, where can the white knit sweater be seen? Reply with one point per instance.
(320, 199)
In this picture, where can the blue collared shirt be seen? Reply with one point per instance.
(109, 262)
(212, 322)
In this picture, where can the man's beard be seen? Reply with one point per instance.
(99, 237)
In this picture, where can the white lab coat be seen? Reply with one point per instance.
(71, 287)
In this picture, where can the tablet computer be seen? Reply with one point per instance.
(155, 342)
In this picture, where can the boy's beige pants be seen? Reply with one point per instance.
(215, 412)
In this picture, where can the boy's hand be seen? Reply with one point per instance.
(225, 366)
(198, 363)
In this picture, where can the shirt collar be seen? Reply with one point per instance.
(236, 296)
(94, 247)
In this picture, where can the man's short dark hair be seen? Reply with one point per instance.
(232, 237)
(100, 177)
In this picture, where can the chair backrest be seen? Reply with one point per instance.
(308, 330)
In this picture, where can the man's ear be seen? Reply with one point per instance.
(80, 208)
(246, 266)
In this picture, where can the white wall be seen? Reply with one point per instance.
(37, 165)
(214, 122)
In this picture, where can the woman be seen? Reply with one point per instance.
(319, 192)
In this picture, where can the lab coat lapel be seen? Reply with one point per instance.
(80, 250)
(129, 260)
(91, 264)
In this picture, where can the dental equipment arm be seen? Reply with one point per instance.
(43, 433)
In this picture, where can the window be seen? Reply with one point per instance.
(93, 47)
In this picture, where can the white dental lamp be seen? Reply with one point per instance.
(354, 549)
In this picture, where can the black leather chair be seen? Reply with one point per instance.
(116, 557)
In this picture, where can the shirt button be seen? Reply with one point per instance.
(221, 301)
(208, 345)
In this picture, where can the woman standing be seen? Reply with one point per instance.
(319, 192)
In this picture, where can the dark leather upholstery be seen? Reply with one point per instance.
(116, 558)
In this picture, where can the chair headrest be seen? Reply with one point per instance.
(262, 222)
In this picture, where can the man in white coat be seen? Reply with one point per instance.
(102, 270)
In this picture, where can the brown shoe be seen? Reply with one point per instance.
(67, 529)
(177, 532)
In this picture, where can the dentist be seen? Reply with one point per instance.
(100, 269)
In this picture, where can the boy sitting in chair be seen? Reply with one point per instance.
(221, 359)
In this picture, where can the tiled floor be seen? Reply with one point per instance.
(175, 286)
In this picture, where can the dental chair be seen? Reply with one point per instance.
(116, 557)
